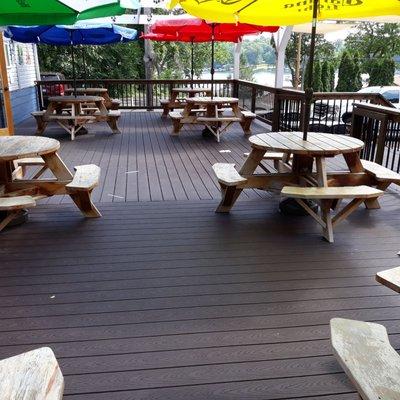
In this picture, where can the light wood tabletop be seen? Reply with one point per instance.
(191, 90)
(15, 147)
(212, 100)
(322, 144)
(87, 90)
(75, 99)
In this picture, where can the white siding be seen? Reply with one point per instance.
(22, 65)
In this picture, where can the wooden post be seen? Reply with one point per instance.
(9, 129)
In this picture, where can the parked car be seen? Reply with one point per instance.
(49, 90)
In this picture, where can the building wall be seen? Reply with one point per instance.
(22, 70)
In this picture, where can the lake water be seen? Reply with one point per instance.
(261, 76)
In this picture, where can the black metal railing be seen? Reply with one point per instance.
(379, 128)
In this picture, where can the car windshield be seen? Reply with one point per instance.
(391, 95)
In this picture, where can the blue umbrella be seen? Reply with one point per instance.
(80, 33)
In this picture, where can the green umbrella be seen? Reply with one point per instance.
(61, 12)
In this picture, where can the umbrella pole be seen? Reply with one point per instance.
(73, 64)
(212, 58)
(84, 66)
(309, 90)
(192, 64)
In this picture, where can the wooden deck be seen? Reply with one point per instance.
(166, 300)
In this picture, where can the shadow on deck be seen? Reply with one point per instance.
(167, 300)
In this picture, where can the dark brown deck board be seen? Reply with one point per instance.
(163, 299)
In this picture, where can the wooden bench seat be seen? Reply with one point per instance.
(168, 106)
(86, 178)
(111, 118)
(326, 196)
(34, 375)
(115, 104)
(247, 119)
(13, 206)
(381, 173)
(227, 174)
(218, 125)
(343, 192)
(218, 119)
(390, 278)
(278, 158)
(364, 352)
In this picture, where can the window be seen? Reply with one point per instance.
(8, 54)
(392, 96)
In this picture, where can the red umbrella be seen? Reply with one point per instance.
(196, 26)
(197, 30)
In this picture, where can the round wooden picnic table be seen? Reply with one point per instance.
(13, 148)
(317, 144)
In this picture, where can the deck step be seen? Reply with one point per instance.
(364, 352)
(227, 174)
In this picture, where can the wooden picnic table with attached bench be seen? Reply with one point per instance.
(18, 193)
(72, 114)
(364, 182)
(177, 101)
(209, 111)
(110, 104)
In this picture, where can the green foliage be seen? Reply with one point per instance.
(258, 51)
(317, 80)
(118, 61)
(324, 50)
(325, 76)
(332, 73)
(373, 41)
(173, 59)
(349, 74)
(381, 72)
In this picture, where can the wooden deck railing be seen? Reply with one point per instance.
(282, 109)
(379, 128)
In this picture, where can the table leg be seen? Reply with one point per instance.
(57, 167)
(231, 193)
(354, 164)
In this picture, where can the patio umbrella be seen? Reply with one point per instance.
(201, 30)
(46, 12)
(78, 34)
(288, 12)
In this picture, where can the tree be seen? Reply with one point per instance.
(173, 59)
(332, 76)
(381, 72)
(349, 74)
(324, 50)
(325, 76)
(119, 61)
(317, 80)
(373, 41)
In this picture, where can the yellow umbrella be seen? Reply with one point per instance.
(285, 12)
